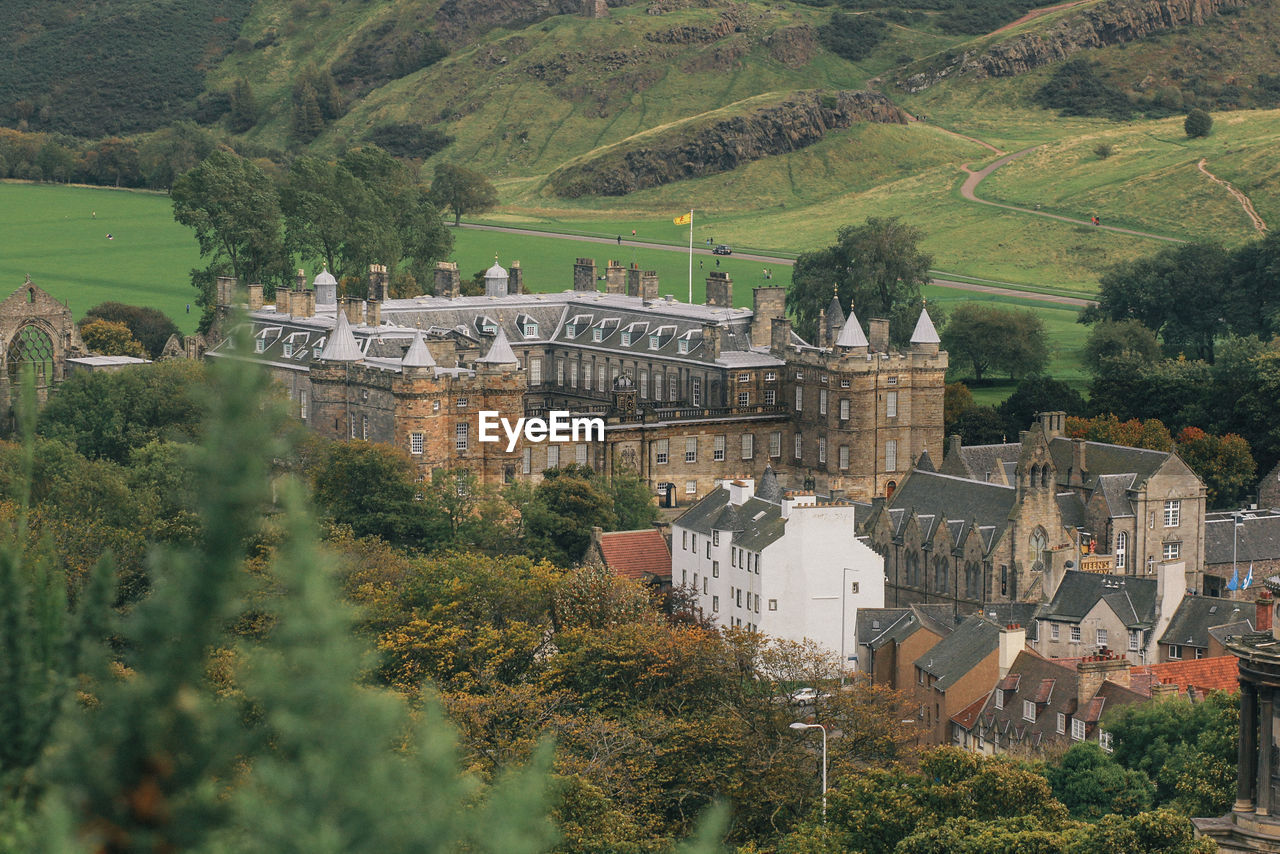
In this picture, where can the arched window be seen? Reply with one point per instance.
(1122, 549)
(940, 580)
(1044, 476)
(31, 346)
(1039, 543)
(1035, 475)
(972, 579)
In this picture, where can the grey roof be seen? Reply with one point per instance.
(924, 332)
(1101, 459)
(1013, 613)
(961, 651)
(870, 623)
(1257, 539)
(341, 346)
(835, 314)
(1115, 492)
(500, 353)
(1221, 633)
(324, 277)
(755, 524)
(935, 497)
(1196, 615)
(418, 356)
(1071, 508)
(769, 489)
(852, 335)
(980, 460)
(1133, 599)
(925, 462)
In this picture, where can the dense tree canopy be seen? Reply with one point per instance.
(988, 337)
(462, 190)
(150, 326)
(877, 267)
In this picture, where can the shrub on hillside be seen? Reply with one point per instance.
(1075, 89)
(1198, 123)
(409, 140)
(851, 37)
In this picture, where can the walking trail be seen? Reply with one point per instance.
(1036, 13)
(975, 178)
(1244, 200)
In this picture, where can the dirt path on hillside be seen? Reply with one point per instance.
(967, 190)
(1009, 290)
(1244, 200)
(1036, 13)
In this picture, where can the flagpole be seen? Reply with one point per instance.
(690, 256)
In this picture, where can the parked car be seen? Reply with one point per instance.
(722, 249)
(805, 696)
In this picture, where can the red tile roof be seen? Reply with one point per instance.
(636, 554)
(1219, 673)
(969, 714)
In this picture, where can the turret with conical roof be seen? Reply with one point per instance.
(852, 336)
(418, 356)
(925, 338)
(341, 346)
(500, 353)
(769, 489)
(835, 321)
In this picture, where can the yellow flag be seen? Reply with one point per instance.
(684, 219)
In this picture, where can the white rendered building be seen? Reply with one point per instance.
(785, 566)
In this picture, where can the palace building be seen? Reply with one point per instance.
(689, 394)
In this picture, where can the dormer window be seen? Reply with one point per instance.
(655, 341)
(530, 329)
(683, 345)
(626, 338)
(597, 334)
(489, 328)
(259, 345)
(288, 349)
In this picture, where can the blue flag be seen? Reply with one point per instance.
(1248, 579)
(1234, 583)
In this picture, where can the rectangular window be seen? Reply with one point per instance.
(822, 449)
(1075, 634)
(1077, 729)
(715, 538)
(853, 588)
(773, 604)
(744, 398)
(302, 404)
(799, 376)
(660, 452)
(1135, 638)
(1062, 723)
(364, 427)
(1053, 631)
(1028, 710)
(626, 338)
(822, 378)
(844, 456)
(682, 346)
(691, 450)
(580, 454)
(891, 455)
(704, 584)
(775, 444)
(526, 461)
(738, 598)
(1172, 551)
(1172, 513)
(684, 540)
(462, 403)
(891, 380)
(799, 446)
(654, 342)
(744, 378)
(844, 383)
(1104, 740)
(573, 375)
(693, 543)
(657, 386)
(770, 376)
(799, 399)
(1102, 637)
(748, 446)
(587, 373)
(461, 433)
(535, 372)
(717, 452)
(715, 569)
(559, 371)
(770, 397)
(355, 430)
(844, 409)
(673, 387)
(891, 404)
(1199, 653)
(715, 603)
(1175, 652)
(691, 488)
(604, 383)
(553, 456)
(695, 391)
(259, 345)
(644, 385)
(733, 557)
(999, 699)
(597, 334)
(415, 443)
(822, 401)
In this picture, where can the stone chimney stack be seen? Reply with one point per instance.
(824, 341)
(303, 303)
(633, 280)
(615, 278)
(711, 339)
(1162, 691)
(377, 283)
(300, 281)
(373, 312)
(719, 289)
(780, 337)
(354, 309)
(1054, 423)
(1013, 639)
(766, 304)
(226, 291)
(284, 302)
(649, 285)
(1262, 612)
(878, 336)
(515, 281)
(1096, 669)
(953, 444)
(1079, 465)
(584, 274)
(255, 297)
(448, 284)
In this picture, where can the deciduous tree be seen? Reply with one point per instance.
(462, 191)
(108, 338)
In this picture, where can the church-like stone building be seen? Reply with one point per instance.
(36, 331)
(689, 394)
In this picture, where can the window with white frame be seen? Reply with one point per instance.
(1053, 631)
(715, 603)
(364, 427)
(654, 342)
(891, 404)
(695, 391)
(844, 456)
(415, 443)
(259, 344)
(587, 373)
(535, 372)
(657, 386)
(770, 397)
(715, 569)
(822, 401)
(355, 429)
(844, 383)
(748, 446)
(1104, 740)
(1175, 652)
(715, 538)
(690, 487)
(580, 454)
(1172, 551)
(799, 399)
(1122, 549)
(822, 449)
(1135, 640)
(597, 334)
(717, 449)
(891, 380)
(530, 329)
(691, 450)
(461, 435)
(891, 455)
(775, 444)
(844, 409)
(559, 371)
(673, 385)
(604, 380)
(573, 374)
(999, 698)
(644, 385)
(1172, 513)
(682, 346)
(799, 376)
(744, 378)
(1075, 634)
(744, 398)
(435, 405)
(303, 412)
(660, 452)
(1102, 637)
(526, 461)
(626, 338)
(287, 349)
(1028, 710)
(1077, 729)
(1062, 723)
(799, 447)
(553, 456)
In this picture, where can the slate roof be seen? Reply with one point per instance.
(959, 652)
(898, 624)
(870, 623)
(1221, 633)
(1013, 613)
(938, 498)
(852, 335)
(980, 460)
(500, 352)
(1115, 492)
(1071, 508)
(756, 523)
(1133, 599)
(636, 554)
(341, 346)
(1101, 459)
(769, 489)
(1257, 538)
(1195, 615)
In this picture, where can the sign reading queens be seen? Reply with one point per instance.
(560, 427)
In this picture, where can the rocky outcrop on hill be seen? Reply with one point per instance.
(684, 153)
(794, 47)
(693, 35)
(1113, 22)
(458, 19)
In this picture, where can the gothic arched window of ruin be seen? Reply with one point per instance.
(1039, 543)
(31, 345)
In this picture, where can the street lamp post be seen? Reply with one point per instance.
(798, 726)
(1235, 535)
(844, 596)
